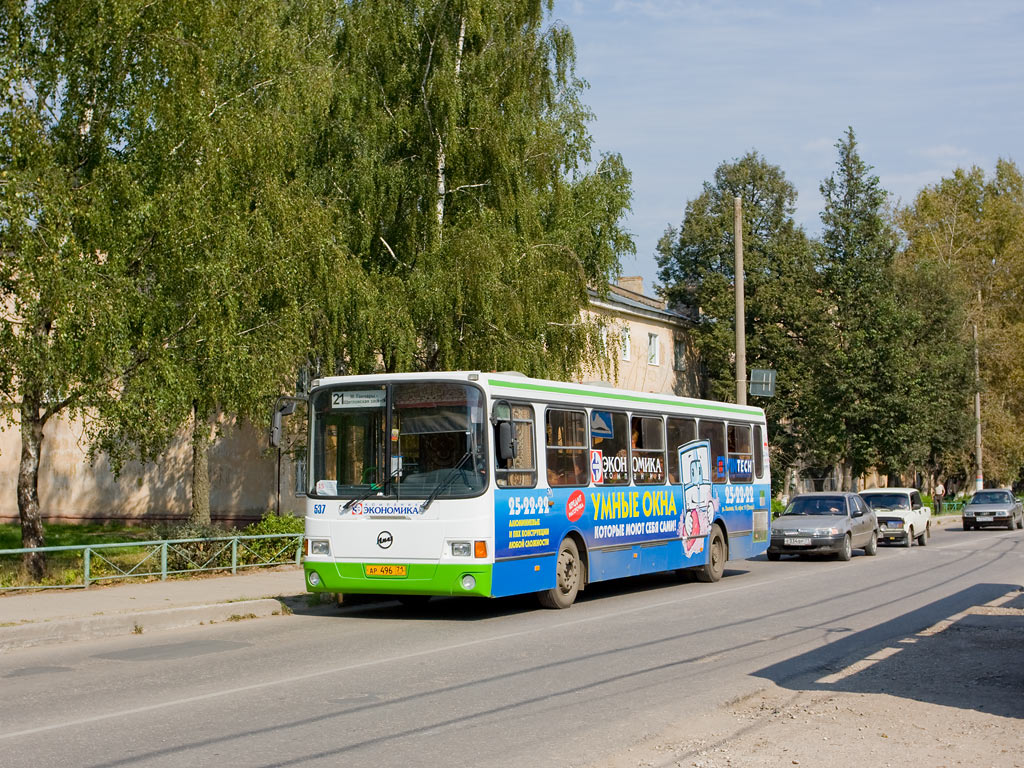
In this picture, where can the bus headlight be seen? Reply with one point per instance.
(461, 548)
(319, 547)
(314, 578)
(468, 582)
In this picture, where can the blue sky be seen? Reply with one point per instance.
(680, 86)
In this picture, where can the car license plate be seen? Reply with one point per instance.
(798, 542)
(984, 518)
(384, 571)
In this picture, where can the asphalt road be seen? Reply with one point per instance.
(483, 683)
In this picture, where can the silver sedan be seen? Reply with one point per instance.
(994, 507)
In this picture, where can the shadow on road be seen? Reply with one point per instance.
(482, 609)
(955, 652)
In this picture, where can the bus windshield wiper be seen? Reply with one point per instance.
(351, 502)
(373, 487)
(446, 482)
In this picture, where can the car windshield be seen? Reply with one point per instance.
(992, 497)
(817, 505)
(887, 500)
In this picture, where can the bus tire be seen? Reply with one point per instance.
(718, 553)
(568, 575)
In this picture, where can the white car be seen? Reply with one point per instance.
(902, 516)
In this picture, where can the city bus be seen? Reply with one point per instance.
(497, 484)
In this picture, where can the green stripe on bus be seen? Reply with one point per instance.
(629, 398)
(422, 579)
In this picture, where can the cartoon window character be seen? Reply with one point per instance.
(699, 503)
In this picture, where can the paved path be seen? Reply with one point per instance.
(65, 615)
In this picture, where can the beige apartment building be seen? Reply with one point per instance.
(649, 342)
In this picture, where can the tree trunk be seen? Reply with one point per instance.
(200, 514)
(846, 481)
(33, 419)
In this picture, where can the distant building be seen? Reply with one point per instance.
(650, 343)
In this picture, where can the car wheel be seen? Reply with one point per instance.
(872, 545)
(846, 552)
(718, 553)
(968, 526)
(922, 539)
(1020, 523)
(774, 556)
(569, 573)
(909, 538)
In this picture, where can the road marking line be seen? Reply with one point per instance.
(859, 666)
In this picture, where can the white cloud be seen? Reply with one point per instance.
(943, 152)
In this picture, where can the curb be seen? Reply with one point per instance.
(120, 624)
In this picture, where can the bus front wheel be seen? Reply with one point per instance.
(569, 572)
(718, 553)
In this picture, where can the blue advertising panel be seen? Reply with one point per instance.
(532, 522)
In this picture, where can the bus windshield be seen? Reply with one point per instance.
(437, 441)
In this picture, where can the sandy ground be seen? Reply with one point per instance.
(952, 695)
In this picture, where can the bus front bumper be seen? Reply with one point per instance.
(419, 579)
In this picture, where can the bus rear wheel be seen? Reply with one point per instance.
(568, 574)
(718, 553)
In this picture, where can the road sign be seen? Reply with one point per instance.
(762, 382)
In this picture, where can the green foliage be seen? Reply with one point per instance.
(968, 231)
(454, 155)
(860, 402)
(782, 306)
(272, 523)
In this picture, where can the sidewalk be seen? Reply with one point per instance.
(65, 615)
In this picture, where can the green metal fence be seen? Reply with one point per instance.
(80, 566)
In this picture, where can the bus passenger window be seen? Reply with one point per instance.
(714, 431)
(647, 438)
(741, 462)
(758, 451)
(680, 432)
(609, 434)
(566, 455)
(521, 470)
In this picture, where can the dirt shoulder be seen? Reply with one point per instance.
(952, 695)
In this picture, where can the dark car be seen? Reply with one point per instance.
(821, 523)
(995, 507)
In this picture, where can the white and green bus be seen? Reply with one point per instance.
(496, 484)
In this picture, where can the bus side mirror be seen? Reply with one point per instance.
(506, 442)
(284, 408)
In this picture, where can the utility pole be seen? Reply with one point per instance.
(741, 331)
(979, 481)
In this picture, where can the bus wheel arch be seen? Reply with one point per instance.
(570, 574)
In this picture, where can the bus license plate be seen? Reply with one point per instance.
(798, 542)
(384, 571)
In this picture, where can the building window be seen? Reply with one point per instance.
(299, 462)
(679, 355)
(626, 347)
(653, 349)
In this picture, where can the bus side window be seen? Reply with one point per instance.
(758, 451)
(741, 463)
(714, 431)
(680, 432)
(609, 434)
(520, 471)
(647, 437)
(567, 450)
